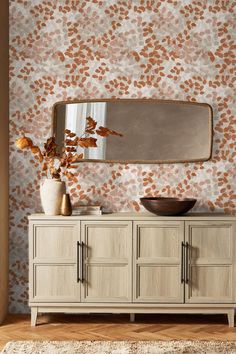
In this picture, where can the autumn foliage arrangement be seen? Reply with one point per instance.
(57, 163)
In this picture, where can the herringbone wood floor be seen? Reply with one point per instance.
(117, 327)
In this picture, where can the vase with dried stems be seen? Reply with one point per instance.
(59, 163)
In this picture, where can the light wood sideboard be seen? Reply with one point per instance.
(132, 263)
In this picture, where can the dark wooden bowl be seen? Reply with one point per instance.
(168, 206)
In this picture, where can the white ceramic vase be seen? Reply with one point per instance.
(51, 192)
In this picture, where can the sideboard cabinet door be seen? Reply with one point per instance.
(53, 262)
(107, 260)
(157, 261)
(211, 253)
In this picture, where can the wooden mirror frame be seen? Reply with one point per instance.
(144, 100)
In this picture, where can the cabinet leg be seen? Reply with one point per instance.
(231, 318)
(132, 317)
(34, 313)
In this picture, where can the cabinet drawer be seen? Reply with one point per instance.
(55, 242)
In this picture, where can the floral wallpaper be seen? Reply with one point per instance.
(166, 49)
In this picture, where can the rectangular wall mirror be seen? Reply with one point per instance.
(154, 131)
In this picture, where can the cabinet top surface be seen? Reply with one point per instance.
(136, 216)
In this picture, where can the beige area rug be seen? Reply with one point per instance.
(119, 347)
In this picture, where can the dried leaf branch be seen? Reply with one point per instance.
(59, 163)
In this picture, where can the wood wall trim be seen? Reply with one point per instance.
(4, 145)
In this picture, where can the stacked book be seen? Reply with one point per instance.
(87, 210)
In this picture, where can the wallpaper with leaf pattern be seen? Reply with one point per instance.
(167, 49)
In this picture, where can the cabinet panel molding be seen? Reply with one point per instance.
(211, 261)
(107, 261)
(157, 261)
(210, 242)
(106, 283)
(53, 261)
(210, 284)
(112, 235)
(158, 283)
(165, 246)
(55, 242)
(55, 282)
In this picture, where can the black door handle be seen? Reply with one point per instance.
(82, 262)
(182, 262)
(187, 263)
(78, 266)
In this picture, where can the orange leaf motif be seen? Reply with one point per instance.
(87, 142)
(71, 135)
(45, 166)
(69, 175)
(50, 147)
(35, 149)
(90, 125)
(102, 131)
(76, 158)
(71, 142)
(24, 142)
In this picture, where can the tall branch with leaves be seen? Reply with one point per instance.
(60, 162)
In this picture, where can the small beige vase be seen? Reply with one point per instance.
(51, 192)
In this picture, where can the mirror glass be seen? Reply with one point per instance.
(153, 131)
